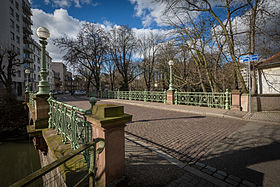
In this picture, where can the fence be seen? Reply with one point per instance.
(31, 98)
(151, 96)
(78, 175)
(71, 123)
(209, 99)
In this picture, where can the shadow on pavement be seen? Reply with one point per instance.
(160, 119)
(251, 153)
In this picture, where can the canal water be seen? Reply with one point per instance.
(17, 160)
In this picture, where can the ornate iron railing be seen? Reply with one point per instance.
(94, 148)
(152, 96)
(70, 122)
(210, 99)
(31, 98)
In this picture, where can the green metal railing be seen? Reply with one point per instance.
(210, 99)
(70, 122)
(151, 96)
(31, 98)
(94, 148)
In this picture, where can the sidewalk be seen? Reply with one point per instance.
(147, 166)
(271, 117)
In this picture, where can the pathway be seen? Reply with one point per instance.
(238, 152)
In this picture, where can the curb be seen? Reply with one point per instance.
(206, 172)
(178, 163)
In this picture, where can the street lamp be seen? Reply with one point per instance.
(27, 72)
(156, 85)
(170, 63)
(44, 87)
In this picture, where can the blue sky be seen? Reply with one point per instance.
(119, 12)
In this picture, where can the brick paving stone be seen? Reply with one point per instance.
(222, 173)
(232, 182)
(219, 176)
(199, 165)
(237, 179)
(248, 183)
(207, 171)
(211, 168)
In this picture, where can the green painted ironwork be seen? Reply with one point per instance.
(151, 96)
(210, 99)
(31, 98)
(70, 122)
(94, 148)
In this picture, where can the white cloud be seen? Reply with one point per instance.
(59, 24)
(149, 11)
(69, 3)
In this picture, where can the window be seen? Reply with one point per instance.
(17, 5)
(18, 39)
(12, 11)
(38, 77)
(17, 17)
(13, 47)
(17, 27)
(18, 50)
(19, 73)
(12, 36)
(12, 23)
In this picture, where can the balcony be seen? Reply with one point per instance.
(27, 40)
(27, 49)
(27, 20)
(27, 30)
(26, 9)
(27, 60)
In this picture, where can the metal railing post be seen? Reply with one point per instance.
(227, 95)
(176, 98)
(164, 97)
(118, 94)
(145, 96)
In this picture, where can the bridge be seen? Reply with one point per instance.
(163, 144)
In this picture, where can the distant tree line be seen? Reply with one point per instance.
(203, 39)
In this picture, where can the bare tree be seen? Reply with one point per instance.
(231, 8)
(149, 45)
(8, 63)
(89, 51)
(122, 48)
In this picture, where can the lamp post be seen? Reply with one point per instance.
(27, 72)
(44, 87)
(170, 63)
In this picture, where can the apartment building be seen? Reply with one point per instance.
(60, 73)
(15, 29)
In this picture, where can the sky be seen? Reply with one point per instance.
(65, 17)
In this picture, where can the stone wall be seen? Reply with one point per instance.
(269, 102)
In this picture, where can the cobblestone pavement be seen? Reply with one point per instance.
(211, 144)
(146, 168)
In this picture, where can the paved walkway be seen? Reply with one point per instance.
(214, 142)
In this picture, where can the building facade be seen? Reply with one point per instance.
(60, 72)
(15, 21)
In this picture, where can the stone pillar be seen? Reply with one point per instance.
(170, 97)
(244, 102)
(108, 122)
(236, 100)
(42, 109)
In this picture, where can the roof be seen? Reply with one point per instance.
(273, 61)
